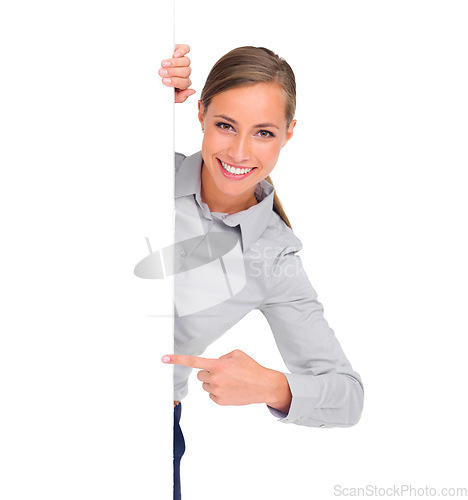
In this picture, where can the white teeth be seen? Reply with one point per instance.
(232, 170)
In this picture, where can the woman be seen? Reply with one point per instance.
(246, 112)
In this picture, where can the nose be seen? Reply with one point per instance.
(240, 149)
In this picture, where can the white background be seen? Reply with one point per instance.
(373, 183)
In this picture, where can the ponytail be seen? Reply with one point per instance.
(277, 207)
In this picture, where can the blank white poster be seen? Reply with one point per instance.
(87, 172)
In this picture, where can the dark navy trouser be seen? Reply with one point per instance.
(179, 448)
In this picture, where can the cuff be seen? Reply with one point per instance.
(305, 390)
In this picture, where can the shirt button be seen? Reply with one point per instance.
(183, 253)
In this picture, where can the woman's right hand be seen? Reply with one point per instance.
(175, 73)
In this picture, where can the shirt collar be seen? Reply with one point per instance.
(252, 221)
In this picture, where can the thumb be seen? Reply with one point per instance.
(182, 95)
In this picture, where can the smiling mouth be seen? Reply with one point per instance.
(231, 169)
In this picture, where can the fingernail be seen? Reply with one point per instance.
(166, 80)
(163, 72)
(166, 64)
(165, 359)
(177, 54)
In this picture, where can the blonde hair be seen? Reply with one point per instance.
(246, 66)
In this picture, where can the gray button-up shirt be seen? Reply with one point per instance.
(251, 262)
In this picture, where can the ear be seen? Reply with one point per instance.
(201, 114)
(289, 132)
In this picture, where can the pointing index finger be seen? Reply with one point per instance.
(191, 361)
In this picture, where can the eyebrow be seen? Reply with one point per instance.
(259, 125)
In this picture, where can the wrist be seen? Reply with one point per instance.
(279, 394)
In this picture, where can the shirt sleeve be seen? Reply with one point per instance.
(326, 392)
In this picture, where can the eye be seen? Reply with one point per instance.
(265, 134)
(224, 126)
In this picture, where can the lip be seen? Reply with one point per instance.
(233, 176)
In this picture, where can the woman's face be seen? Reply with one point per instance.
(244, 131)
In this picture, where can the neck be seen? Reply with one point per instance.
(220, 202)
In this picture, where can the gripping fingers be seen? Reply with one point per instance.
(181, 49)
(203, 375)
(175, 73)
(178, 72)
(178, 83)
(178, 62)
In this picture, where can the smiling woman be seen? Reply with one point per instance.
(241, 151)
(266, 86)
(247, 114)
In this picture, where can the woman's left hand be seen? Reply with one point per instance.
(237, 379)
